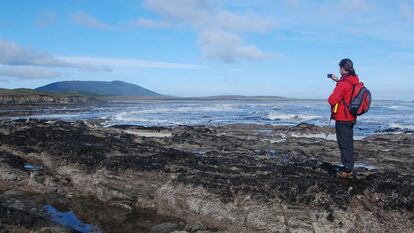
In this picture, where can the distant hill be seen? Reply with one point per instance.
(99, 88)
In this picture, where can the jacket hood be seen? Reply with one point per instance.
(353, 79)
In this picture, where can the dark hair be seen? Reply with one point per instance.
(348, 66)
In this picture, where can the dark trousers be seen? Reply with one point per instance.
(344, 136)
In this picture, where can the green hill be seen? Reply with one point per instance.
(99, 88)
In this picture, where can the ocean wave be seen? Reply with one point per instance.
(186, 109)
(55, 116)
(399, 107)
(128, 117)
(290, 117)
(401, 126)
(383, 115)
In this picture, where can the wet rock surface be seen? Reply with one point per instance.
(235, 178)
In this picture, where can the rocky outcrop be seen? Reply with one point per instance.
(43, 99)
(237, 178)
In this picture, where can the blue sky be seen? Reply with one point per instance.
(210, 47)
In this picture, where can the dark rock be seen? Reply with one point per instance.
(395, 130)
(166, 227)
(306, 126)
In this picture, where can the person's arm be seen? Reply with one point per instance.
(334, 78)
(337, 94)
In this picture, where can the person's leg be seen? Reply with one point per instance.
(348, 161)
(340, 138)
(344, 136)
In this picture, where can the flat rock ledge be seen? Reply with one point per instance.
(235, 178)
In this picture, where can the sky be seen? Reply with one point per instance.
(210, 47)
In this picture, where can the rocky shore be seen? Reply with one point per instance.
(44, 99)
(23, 96)
(235, 178)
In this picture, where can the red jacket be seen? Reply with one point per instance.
(343, 91)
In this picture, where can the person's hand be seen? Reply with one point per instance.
(333, 77)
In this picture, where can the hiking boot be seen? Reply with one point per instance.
(345, 174)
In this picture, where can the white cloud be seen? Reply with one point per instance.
(203, 17)
(28, 73)
(86, 20)
(340, 12)
(293, 3)
(149, 23)
(181, 10)
(407, 11)
(355, 20)
(45, 19)
(129, 63)
(219, 30)
(13, 54)
(247, 22)
(228, 47)
(355, 5)
(24, 62)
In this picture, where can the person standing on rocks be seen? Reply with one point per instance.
(344, 120)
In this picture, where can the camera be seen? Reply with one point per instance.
(329, 75)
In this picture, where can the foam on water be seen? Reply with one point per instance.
(285, 117)
(191, 108)
(398, 107)
(382, 115)
(133, 117)
(402, 126)
(57, 116)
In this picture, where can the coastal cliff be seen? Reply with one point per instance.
(27, 96)
(44, 99)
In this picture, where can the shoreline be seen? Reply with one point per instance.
(234, 178)
(155, 113)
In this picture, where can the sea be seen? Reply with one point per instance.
(384, 115)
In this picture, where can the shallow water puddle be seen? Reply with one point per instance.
(364, 165)
(31, 167)
(70, 220)
(359, 165)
